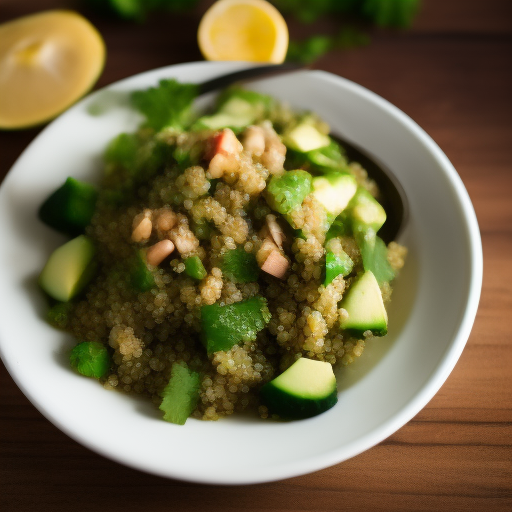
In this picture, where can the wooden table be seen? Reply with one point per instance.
(452, 73)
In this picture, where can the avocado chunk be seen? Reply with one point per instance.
(327, 157)
(68, 269)
(366, 212)
(194, 268)
(305, 137)
(286, 192)
(70, 208)
(365, 308)
(240, 266)
(334, 191)
(91, 359)
(180, 396)
(225, 326)
(305, 389)
(375, 255)
(337, 261)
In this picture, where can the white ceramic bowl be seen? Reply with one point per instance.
(434, 306)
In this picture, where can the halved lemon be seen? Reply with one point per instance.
(250, 30)
(47, 62)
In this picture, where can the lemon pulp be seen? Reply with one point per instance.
(47, 62)
(251, 30)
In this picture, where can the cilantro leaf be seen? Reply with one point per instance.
(167, 105)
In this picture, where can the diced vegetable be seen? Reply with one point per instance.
(70, 208)
(305, 389)
(236, 109)
(194, 268)
(240, 266)
(328, 157)
(366, 212)
(337, 261)
(286, 192)
(305, 137)
(365, 308)
(334, 191)
(90, 358)
(69, 268)
(58, 315)
(180, 396)
(225, 326)
(375, 255)
(141, 277)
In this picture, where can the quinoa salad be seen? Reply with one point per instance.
(226, 262)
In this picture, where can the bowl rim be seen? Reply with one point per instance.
(415, 404)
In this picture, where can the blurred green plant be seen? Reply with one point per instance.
(138, 10)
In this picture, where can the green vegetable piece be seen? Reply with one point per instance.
(327, 158)
(58, 315)
(201, 228)
(181, 395)
(167, 105)
(69, 269)
(305, 137)
(286, 192)
(334, 191)
(338, 228)
(365, 212)
(225, 326)
(122, 152)
(375, 255)
(70, 208)
(307, 388)
(194, 268)
(240, 266)
(90, 358)
(337, 261)
(365, 308)
(141, 277)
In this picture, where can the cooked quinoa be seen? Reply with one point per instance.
(205, 208)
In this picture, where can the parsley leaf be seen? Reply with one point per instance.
(168, 105)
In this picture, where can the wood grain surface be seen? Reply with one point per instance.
(452, 73)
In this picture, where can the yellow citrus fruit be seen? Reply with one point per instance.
(250, 30)
(47, 61)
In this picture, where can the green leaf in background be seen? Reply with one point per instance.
(309, 50)
(167, 105)
(391, 13)
(137, 10)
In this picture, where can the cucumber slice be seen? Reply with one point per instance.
(194, 268)
(70, 208)
(180, 396)
(305, 137)
(68, 269)
(365, 308)
(334, 191)
(366, 212)
(305, 389)
(337, 261)
(286, 192)
(225, 326)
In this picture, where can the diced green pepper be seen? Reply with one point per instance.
(286, 192)
(194, 268)
(240, 266)
(225, 326)
(141, 277)
(90, 358)
(180, 396)
(70, 208)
